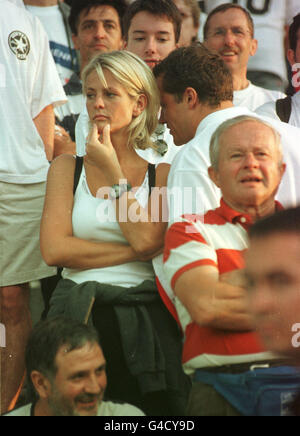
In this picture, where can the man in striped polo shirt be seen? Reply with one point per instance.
(204, 259)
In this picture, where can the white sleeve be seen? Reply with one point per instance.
(47, 85)
(191, 192)
(81, 132)
(268, 110)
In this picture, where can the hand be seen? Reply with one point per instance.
(63, 143)
(234, 278)
(101, 153)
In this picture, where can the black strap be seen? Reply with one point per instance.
(78, 170)
(284, 108)
(152, 177)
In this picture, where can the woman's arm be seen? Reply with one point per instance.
(144, 228)
(58, 245)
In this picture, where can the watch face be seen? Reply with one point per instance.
(118, 190)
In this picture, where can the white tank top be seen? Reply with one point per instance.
(94, 219)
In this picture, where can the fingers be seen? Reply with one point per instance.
(106, 134)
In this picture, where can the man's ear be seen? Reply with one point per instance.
(254, 46)
(121, 46)
(190, 97)
(291, 57)
(41, 384)
(140, 105)
(75, 41)
(214, 176)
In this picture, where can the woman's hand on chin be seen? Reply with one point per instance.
(101, 153)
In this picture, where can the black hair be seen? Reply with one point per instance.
(293, 31)
(286, 221)
(86, 5)
(160, 8)
(45, 341)
(199, 68)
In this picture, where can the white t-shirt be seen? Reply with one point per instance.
(150, 155)
(254, 96)
(28, 83)
(19, 3)
(203, 18)
(106, 408)
(53, 22)
(269, 110)
(270, 18)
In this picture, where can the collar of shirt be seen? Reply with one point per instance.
(218, 117)
(235, 217)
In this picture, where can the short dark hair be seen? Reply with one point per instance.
(45, 341)
(285, 221)
(159, 8)
(86, 5)
(223, 8)
(199, 68)
(293, 30)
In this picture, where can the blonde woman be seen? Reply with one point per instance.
(105, 235)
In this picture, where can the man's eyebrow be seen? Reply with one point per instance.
(161, 32)
(105, 20)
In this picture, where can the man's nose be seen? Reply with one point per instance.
(162, 119)
(250, 161)
(93, 385)
(100, 31)
(150, 46)
(229, 38)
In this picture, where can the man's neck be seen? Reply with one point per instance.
(256, 212)
(208, 110)
(240, 82)
(41, 3)
(41, 409)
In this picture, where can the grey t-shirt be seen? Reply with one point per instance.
(105, 409)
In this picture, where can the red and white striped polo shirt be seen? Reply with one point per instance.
(220, 239)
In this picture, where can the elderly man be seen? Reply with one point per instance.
(203, 263)
(66, 373)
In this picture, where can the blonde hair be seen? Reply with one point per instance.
(137, 78)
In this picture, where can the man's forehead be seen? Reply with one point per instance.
(250, 126)
(99, 12)
(146, 22)
(79, 357)
(229, 18)
(265, 252)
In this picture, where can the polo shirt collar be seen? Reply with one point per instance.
(236, 217)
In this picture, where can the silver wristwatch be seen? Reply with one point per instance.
(118, 190)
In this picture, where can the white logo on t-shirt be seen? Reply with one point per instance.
(19, 44)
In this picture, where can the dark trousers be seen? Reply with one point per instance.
(121, 385)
